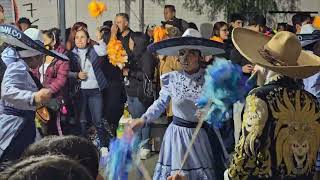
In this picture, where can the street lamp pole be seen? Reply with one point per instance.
(141, 13)
(62, 19)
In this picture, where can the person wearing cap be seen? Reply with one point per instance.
(150, 32)
(24, 23)
(281, 128)
(309, 37)
(21, 91)
(300, 19)
(53, 74)
(183, 88)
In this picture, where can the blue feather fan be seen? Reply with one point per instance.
(224, 85)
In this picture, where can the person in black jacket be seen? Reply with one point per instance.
(114, 96)
(258, 24)
(141, 71)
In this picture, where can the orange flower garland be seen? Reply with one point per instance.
(316, 22)
(159, 33)
(116, 53)
(96, 8)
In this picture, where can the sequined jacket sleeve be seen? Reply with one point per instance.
(159, 106)
(251, 156)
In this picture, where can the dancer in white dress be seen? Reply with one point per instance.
(184, 88)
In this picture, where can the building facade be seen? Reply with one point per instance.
(44, 13)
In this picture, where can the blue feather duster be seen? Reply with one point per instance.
(121, 156)
(224, 85)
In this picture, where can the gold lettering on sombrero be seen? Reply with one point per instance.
(297, 132)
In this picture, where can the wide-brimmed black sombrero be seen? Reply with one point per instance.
(191, 39)
(24, 44)
(307, 39)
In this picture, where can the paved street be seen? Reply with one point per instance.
(149, 164)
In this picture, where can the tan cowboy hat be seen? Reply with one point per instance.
(282, 53)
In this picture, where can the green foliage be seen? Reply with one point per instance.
(245, 7)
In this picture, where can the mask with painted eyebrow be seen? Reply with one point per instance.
(183, 52)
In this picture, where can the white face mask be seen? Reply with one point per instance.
(219, 58)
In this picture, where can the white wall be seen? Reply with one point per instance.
(76, 10)
(46, 12)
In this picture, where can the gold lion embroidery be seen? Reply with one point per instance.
(249, 157)
(254, 119)
(297, 132)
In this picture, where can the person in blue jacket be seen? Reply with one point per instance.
(20, 91)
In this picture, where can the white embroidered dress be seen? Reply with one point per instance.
(184, 90)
